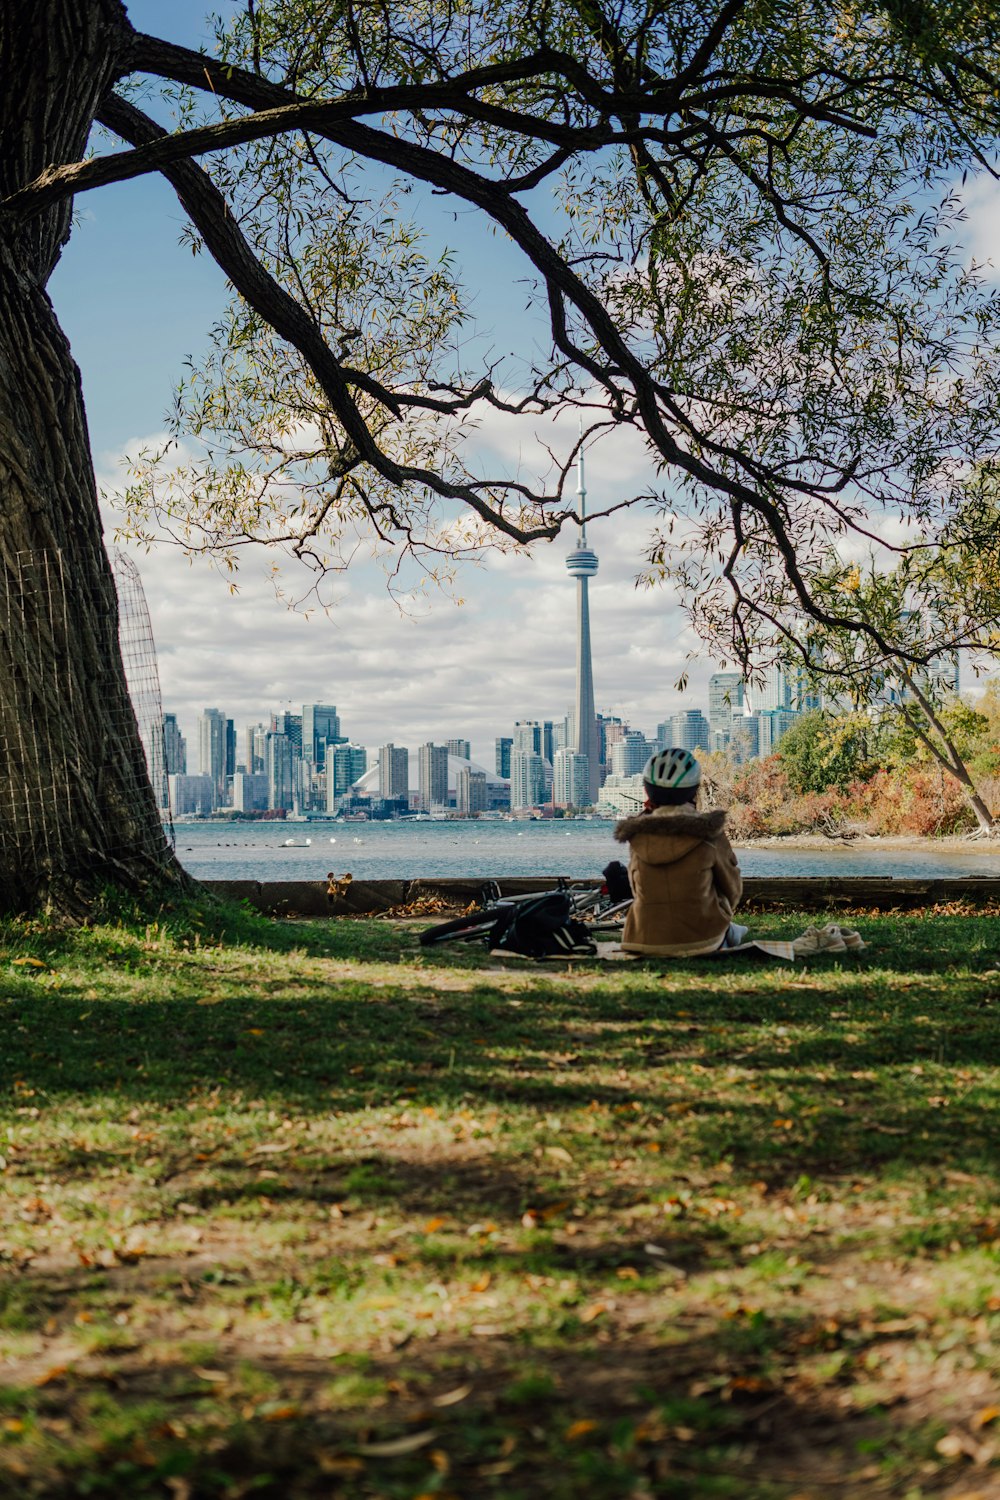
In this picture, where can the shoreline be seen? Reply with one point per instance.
(954, 843)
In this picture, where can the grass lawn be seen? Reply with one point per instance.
(294, 1209)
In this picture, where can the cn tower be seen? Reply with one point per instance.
(582, 564)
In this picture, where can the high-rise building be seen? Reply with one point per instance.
(174, 747)
(527, 779)
(191, 796)
(571, 779)
(772, 690)
(772, 725)
(470, 791)
(280, 760)
(290, 725)
(255, 749)
(214, 733)
(320, 727)
(690, 730)
(249, 792)
(725, 707)
(529, 736)
(461, 748)
(432, 776)
(393, 773)
(630, 754)
(345, 764)
(582, 565)
(504, 745)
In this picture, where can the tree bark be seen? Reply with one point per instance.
(76, 809)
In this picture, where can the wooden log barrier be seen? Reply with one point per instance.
(319, 898)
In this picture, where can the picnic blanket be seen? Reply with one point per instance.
(814, 941)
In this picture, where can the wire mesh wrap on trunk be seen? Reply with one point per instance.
(41, 707)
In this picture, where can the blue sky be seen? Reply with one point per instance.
(134, 303)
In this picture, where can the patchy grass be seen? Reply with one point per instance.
(302, 1210)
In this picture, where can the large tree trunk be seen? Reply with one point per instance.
(76, 808)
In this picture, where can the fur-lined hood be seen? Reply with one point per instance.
(673, 823)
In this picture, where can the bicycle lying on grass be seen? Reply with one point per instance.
(540, 924)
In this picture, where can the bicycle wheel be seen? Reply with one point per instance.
(477, 924)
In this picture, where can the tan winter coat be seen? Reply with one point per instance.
(685, 881)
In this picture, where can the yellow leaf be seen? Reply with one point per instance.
(434, 1224)
(482, 1283)
(56, 1373)
(580, 1429)
(452, 1398)
(558, 1153)
(593, 1311)
(987, 1414)
(394, 1447)
(13, 1424)
(279, 1413)
(28, 963)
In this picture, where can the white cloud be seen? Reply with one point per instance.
(981, 197)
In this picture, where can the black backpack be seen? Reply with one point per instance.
(541, 928)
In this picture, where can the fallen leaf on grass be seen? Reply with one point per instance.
(593, 1311)
(394, 1447)
(56, 1373)
(580, 1429)
(558, 1153)
(452, 1398)
(986, 1415)
(434, 1224)
(212, 1375)
(28, 963)
(283, 1413)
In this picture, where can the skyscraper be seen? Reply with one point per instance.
(432, 776)
(393, 772)
(581, 564)
(320, 727)
(174, 747)
(214, 732)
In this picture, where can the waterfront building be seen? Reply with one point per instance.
(725, 707)
(470, 791)
(582, 565)
(527, 779)
(772, 726)
(320, 727)
(191, 796)
(393, 773)
(280, 759)
(345, 764)
(174, 747)
(621, 796)
(504, 745)
(432, 776)
(460, 748)
(290, 725)
(214, 734)
(571, 779)
(255, 749)
(629, 754)
(528, 737)
(249, 792)
(690, 730)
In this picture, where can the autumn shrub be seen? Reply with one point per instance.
(917, 800)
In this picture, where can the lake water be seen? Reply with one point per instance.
(580, 850)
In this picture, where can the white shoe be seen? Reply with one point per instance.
(850, 939)
(814, 940)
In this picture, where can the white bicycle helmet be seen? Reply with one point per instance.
(672, 768)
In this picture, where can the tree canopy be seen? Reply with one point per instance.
(737, 223)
